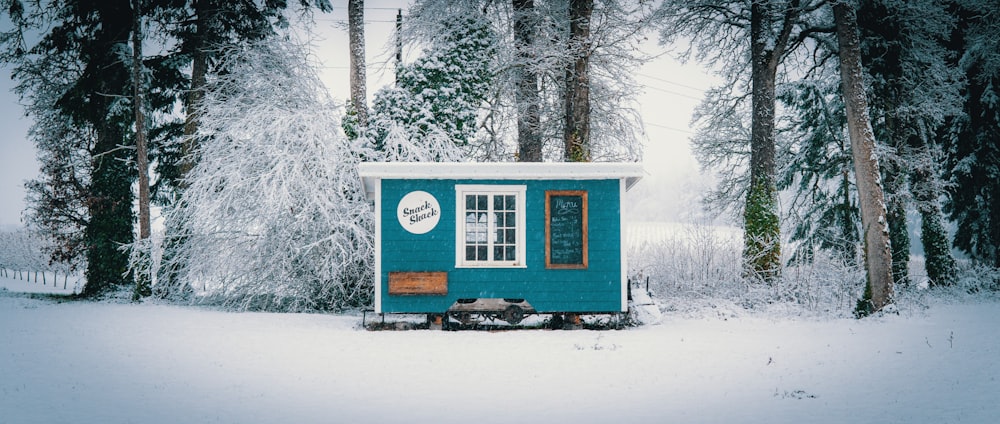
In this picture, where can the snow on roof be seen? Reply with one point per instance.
(370, 172)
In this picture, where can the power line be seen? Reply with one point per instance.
(344, 21)
(671, 92)
(700, 90)
(668, 128)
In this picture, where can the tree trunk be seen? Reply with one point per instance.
(399, 42)
(894, 184)
(529, 138)
(878, 255)
(142, 278)
(896, 219)
(109, 195)
(204, 15)
(762, 230)
(142, 160)
(356, 32)
(576, 134)
(927, 191)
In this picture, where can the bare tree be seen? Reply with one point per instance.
(878, 254)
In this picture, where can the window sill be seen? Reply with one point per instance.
(488, 265)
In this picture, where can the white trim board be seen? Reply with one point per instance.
(631, 173)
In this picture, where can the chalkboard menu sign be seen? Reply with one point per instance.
(566, 229)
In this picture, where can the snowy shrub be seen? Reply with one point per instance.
(972, 280)
(274, 216)
(699, 268)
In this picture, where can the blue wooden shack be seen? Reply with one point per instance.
(502, 238)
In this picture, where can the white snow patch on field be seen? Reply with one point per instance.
(83, 362)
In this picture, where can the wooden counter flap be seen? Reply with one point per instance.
(414, 283)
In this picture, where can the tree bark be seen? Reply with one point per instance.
(895, 198)
(871, 199)
(576, 134)
(356, 33)
(142, 159)
(762, 239)
(529, 139)
(204, 15)
(927, 191)
(142, 279)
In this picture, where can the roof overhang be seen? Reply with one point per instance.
(372, 171)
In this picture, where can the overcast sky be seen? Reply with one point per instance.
(671, 92)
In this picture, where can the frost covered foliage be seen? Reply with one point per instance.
(617, 29)
(431, 113)
(274, 217)
(699, 269)
(816, 170)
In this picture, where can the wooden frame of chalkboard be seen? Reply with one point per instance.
(569, 229)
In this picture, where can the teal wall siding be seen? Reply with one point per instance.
(595, 289)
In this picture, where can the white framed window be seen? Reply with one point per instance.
(489, 228)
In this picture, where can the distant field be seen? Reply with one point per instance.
(52, 284)
(639, 233)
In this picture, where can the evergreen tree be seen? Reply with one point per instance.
(515, 106)
(816, 170)
(973, 150)
(72, 63)
(437, 99)
(93, 38)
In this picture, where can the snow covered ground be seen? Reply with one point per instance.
(83, 362)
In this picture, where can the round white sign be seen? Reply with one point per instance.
(418, 212)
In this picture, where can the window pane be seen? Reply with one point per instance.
(481, 253)
(510, 236)
(498, 254)
(509, 202)
(470, 202)
(511, 253)
(510, 219)
(500, 221)
(481, 202)
(470, 253)
(497, 203)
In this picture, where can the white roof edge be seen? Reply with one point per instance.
(631, 172)
(500, 170)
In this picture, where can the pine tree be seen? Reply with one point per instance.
(817, 171)
(437, 99)
(973, 153)
(89, 39)
(617, 28)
